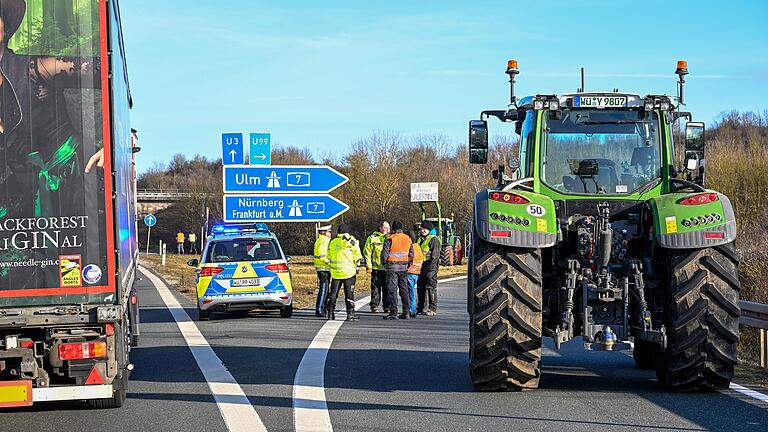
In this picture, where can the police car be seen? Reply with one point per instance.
(243, 267)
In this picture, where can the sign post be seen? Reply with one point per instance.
(424, 192)
(149, 220)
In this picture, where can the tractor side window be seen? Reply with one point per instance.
(526, 144)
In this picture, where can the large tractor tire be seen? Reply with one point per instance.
(446, 256)
(702, 319)
(505, 317)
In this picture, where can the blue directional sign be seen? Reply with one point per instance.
(281, 179)
(281, 208)
(232, 148)
(150, 220)
(261, 149)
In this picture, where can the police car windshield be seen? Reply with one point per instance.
(236, 250)
(591, 151)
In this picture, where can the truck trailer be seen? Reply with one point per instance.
(68, 244)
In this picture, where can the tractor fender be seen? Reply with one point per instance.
(680, 226)
(530, 224)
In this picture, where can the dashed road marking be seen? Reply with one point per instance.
(237, 411)
(749, 392)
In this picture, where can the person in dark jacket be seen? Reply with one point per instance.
(427, 284)
(397, 256)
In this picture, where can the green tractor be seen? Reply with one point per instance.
(596, 234)
(451, 252)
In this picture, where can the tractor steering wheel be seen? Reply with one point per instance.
(684, 184)
(517, 183)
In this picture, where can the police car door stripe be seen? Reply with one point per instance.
(237, 411)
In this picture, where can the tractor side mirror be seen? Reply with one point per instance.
(513, 165)
(478, 142)
(695, 149)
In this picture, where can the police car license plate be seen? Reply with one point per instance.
(245, 282)
(600, 101)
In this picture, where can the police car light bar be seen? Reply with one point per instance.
(239, 229)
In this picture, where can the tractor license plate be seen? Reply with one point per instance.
(15, 394)
(237, 283)
(600, 101)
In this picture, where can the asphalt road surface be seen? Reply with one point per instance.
(377, 376)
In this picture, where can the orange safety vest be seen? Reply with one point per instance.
(418, 260)
(401, 245)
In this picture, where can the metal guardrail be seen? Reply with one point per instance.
(756, 315)
(157, 195)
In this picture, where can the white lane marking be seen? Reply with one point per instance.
(453, 279)
(751, 393)
(237, 411)
(310, 408)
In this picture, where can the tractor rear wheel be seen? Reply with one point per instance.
(702, 319)
(505, 317)
(446, 255)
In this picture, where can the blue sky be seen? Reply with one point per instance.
(320, 75)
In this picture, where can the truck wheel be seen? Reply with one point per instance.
(645, 354)
(446, 255)
(203, 315)
(286, 311)
(505, 317)
(702, 319)
(116, 401)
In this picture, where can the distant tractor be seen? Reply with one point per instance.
(596, 233)
(450, 244)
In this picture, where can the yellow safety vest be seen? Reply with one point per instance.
(424, 245)
(344, 253)
(322, 263)
(372, 251)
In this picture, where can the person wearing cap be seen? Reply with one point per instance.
(414, 270)
(397, 256)
(344, 254)
(372, 254)
(427, 284)
(323, 268)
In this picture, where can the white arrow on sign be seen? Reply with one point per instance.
(261, 156)
(233, 153)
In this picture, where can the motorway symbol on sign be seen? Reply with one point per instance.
(261, 149)
(281, 179)
(282, 208)
(232, 148)
(150, 220)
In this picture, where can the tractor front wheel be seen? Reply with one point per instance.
(702, 319)
(505, 317)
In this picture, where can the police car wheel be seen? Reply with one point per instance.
(203, 315)
(286, 311)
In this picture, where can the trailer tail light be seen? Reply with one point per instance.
(703, 198)
(508, 198)
(210, 271)
(714, 235)
(84, 350)
(277, 268)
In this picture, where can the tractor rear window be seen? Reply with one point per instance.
(601, 151)
(238, 250)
